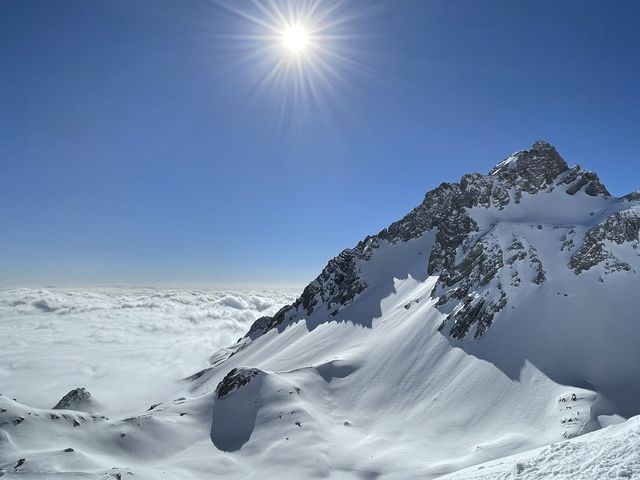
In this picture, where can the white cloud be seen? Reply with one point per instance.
(128, 347)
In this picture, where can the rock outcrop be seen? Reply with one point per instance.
(621, 228)
(77, 399)
(235, 379)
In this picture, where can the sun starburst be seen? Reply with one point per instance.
(300, 50)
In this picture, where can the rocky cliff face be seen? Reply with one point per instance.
(474, 265)
(619, 229)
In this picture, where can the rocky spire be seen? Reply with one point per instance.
(531, 170)
(538, 168)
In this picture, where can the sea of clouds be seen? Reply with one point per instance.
(129, 347)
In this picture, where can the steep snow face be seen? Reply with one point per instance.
(495, 318)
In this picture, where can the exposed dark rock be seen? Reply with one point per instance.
(77, 399)
(568, 240)
(577, 179)
(622, 227)
(632, 197)
(235, 379)
(19, 464)
(337, 285)
(536, 264)
(531, 170)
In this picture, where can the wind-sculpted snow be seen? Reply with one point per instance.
(126, 346)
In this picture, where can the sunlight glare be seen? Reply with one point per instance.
(304, 52)
(295, 38)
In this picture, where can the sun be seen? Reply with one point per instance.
(298, 54)
(295, 38)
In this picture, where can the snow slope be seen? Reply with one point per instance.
(609, 453)
(498, 317)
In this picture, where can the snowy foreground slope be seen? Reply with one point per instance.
(609, 453)
(498, 317)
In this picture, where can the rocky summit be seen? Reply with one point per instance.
(472, 263)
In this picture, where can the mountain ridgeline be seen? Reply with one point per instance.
(471, 261)
(498, 317)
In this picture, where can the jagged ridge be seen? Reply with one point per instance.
(469, 262)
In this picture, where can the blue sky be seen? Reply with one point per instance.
(136, 147)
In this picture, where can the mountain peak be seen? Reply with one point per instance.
(538, 168)
(542, 145)
(470, 292)
(541, 160)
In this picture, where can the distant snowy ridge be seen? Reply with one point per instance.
(498, 317)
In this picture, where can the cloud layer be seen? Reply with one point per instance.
(128, 347)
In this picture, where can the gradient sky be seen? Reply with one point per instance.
(136, 149)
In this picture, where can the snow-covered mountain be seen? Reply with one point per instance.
(499, 316)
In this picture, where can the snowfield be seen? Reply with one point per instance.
(492, 333)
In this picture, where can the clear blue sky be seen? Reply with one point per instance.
(136, 149)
